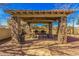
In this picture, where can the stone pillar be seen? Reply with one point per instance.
(62, 31)
(27, 29)
(15, 30)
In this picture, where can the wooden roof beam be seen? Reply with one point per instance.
(39, 12)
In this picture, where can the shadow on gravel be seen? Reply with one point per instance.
(72, 39)
(5, 40)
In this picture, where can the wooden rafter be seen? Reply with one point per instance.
(13, 12)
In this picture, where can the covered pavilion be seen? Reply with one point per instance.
(21, 20)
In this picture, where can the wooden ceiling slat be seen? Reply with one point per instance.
(40, 12)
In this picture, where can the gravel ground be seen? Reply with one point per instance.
(40, 48)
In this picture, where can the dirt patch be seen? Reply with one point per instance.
(38, 52)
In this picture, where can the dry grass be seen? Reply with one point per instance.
(4, 33)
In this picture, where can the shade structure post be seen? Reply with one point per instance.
(50, 28)
(15, 30)
(62, 31)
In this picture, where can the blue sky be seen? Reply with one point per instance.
(39, 6)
